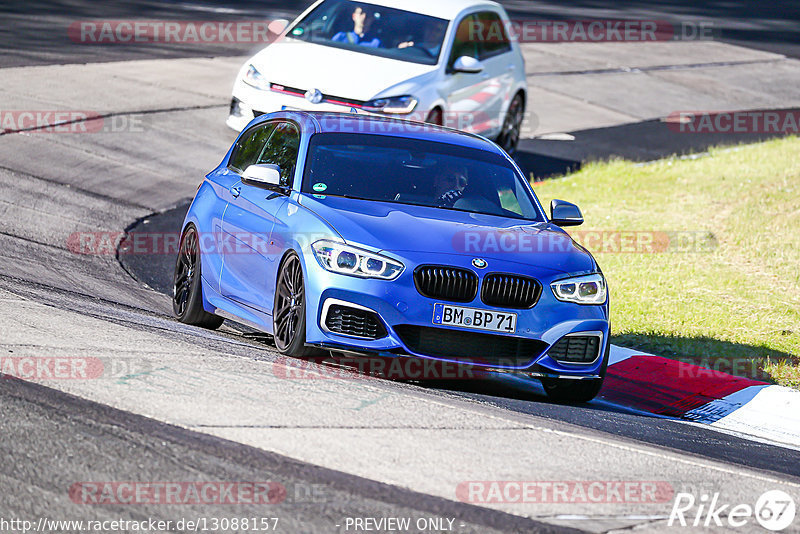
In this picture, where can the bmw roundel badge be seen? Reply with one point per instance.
(480, 263)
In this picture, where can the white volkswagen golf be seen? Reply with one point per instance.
(447, 62)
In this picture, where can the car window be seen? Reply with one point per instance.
(373, 29)
(491, 35)
(281, 150)
(466, 42)
(249, 146)
(416, 172)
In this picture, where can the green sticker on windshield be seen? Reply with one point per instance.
(319, 188)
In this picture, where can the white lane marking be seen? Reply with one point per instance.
(601, 441)
(596, 517)
(738, 434)
(773, 414)
(619, 354)
(210, 9)
(556, 137)
(674, 458)
(719, 408)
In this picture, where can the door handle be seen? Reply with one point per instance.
(512, 68)
(236, 191)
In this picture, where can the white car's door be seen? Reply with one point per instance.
(500, 66)
(476, 101)
(465, 91)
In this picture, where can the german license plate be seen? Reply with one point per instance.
(490, 321)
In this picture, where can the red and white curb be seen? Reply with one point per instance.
(728, 403)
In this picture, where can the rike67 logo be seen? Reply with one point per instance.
(774, 510)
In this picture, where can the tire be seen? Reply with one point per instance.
(436, 117)
(187, 290)
(289, 317)
(576, 391)
(512, 125)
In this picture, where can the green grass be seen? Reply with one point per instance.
(729, 297)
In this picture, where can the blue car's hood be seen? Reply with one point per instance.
(428, 231)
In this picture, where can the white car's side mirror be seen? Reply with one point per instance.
(278, 26)
(468, 64)
(265, 176)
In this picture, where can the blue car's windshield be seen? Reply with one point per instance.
(375, 30)
(410, 171)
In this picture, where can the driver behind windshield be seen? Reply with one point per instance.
(430, 40)
(362, 21)
(448, 184)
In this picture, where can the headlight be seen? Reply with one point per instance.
(590, 289)
(255, 79)
(400, 105)
(344, 259)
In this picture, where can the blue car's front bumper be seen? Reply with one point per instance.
(399, 303)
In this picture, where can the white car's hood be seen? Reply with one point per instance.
(333, 71)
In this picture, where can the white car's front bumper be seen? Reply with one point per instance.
(249, 102)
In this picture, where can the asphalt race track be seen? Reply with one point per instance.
(38, 39)
(181, 404)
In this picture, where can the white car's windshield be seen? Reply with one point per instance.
(412, 171)
(375, 30)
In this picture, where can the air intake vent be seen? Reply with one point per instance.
(576, 349)
(446, 283)
(354, 322)
(470, 347)
(510, 291)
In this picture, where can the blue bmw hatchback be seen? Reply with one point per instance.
(383, 237)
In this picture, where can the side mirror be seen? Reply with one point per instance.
(564, 213)
(278, 26)
(468, 64)
(263, 176)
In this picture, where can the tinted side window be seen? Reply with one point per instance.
(493, 39)
(466, 40)
(282, 150)
(249, 146)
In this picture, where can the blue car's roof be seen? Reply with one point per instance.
(374, 125)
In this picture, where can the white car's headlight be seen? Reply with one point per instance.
(589, 289)
(255, 79)
(399, 105)
(345, 259)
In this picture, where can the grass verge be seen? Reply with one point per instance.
(702, 255)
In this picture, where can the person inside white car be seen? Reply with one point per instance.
(428, 38)
(362, 21)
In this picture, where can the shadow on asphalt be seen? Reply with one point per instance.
(640, 141)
